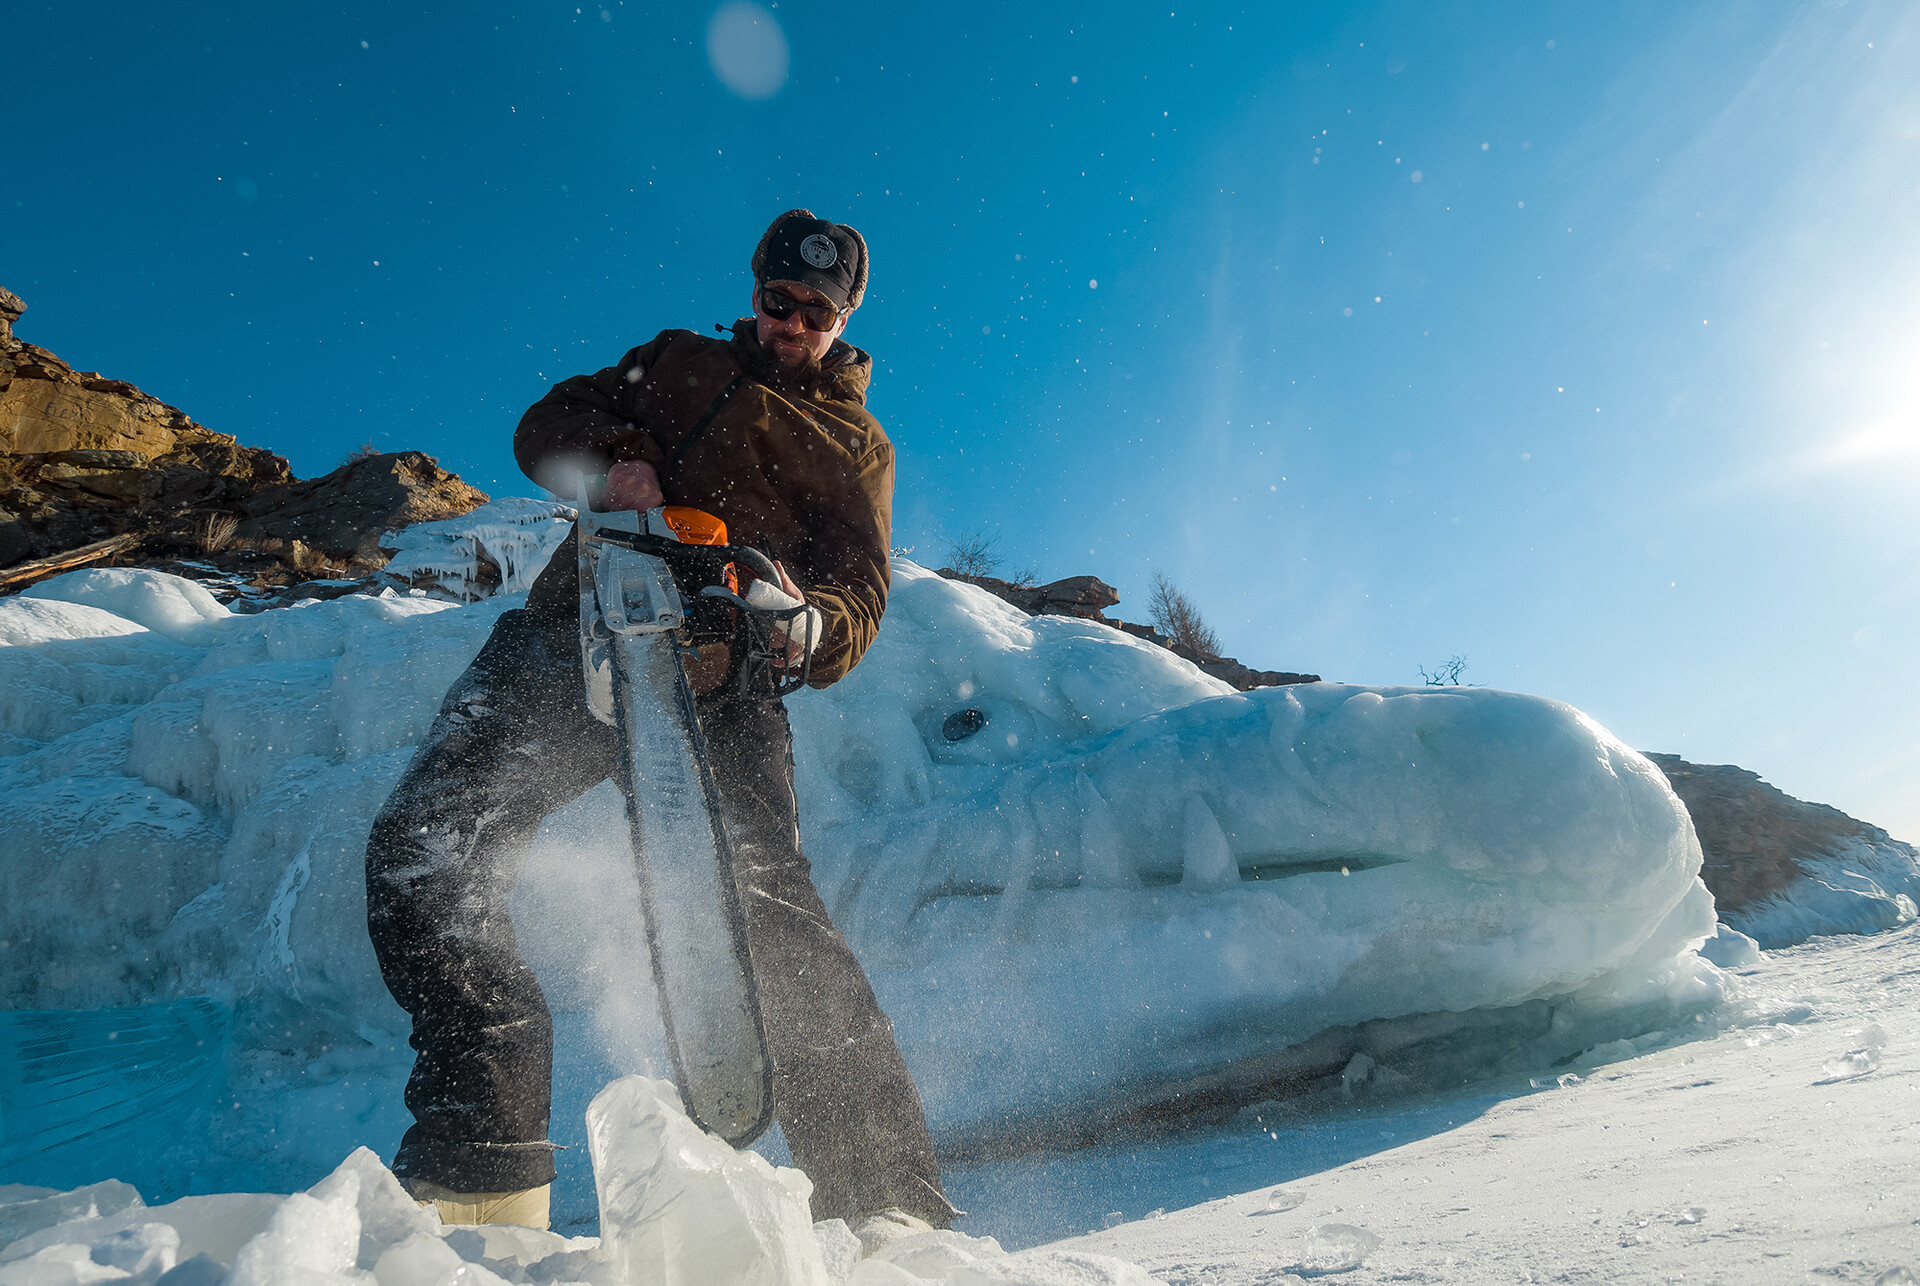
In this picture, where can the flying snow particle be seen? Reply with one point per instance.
(747, 49)
(1093, 283)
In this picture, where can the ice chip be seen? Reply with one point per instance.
(935, 1256)
(1864, 1057)
(201, 1270)
(678, 1207)
(425, 1260)
(145, 1251)
(839, 1248)
(1045, 1267)
(307, 1236)
(388, 1216)
(1730, 949)
(878, 1272)
(1334, 1248)
(62, 1265)
(21, 1218)
(1895, 1276)
(1280, 1200)
(1692, 1214)
(1113, 1219)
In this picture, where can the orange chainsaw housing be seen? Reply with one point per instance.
(698, 527)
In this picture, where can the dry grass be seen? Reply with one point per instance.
(216, 532)
(307, 560)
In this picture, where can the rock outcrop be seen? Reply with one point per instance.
(1088, 597)
(92, 468)
(83, 457)
(343, 514)
(1759, 842)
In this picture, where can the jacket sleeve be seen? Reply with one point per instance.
(589, 422)
(845, 564)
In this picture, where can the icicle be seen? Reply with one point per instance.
(1209, 861)
(1104, 863)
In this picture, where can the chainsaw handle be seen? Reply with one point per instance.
(716, 555)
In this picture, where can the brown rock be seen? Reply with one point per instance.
(360, 500)
(1757, 840)
(1088, 596)
(1082, 596)
(84, 457)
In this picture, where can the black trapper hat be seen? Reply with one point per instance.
(830, 257)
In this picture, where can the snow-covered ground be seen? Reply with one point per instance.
(1776, 1142)
(1098, 892)
(1782, 1145)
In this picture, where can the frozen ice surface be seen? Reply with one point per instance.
(515, 534)
(1170, 878)
(678, 1207)
(1334, 1248)
(1166, 877)
(1865, 886)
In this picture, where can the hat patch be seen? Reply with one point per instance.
(819, 251)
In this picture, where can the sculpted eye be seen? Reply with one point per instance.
(962, 724)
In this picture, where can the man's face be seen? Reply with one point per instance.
(791, 343)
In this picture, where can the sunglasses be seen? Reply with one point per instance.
(779, 305)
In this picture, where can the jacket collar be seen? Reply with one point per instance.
(843, 376)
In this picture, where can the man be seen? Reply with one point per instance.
(769, 431)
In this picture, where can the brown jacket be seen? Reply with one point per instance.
(799, 468)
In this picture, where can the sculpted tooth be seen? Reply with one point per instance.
(1103, 851)
(1209, 860)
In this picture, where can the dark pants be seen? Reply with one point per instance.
(514, 741)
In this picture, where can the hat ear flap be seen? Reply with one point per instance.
(759, 262)
(859, 290)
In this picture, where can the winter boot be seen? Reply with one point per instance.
(527, 1207)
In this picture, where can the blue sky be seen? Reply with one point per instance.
(1582, 341)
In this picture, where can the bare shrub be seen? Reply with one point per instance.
(974, 553)
(1176, 616)
(1445, 676)
(216, 532)
(365, 451)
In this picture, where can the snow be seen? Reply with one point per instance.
(1130, 889)
(1867, 885)
(1726, 1155)
(170, 605)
